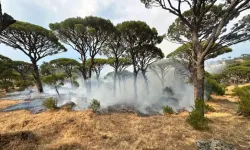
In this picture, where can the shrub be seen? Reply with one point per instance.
(208, 108)
(167, 110)
(50, 103)
(196, 118)
(95, 105)
(244, 103)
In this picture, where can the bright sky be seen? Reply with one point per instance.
(43, 12)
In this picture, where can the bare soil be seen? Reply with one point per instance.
(70, 130)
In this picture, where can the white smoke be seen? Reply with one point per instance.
(182, 97)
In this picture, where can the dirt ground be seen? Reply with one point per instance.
(63, 130)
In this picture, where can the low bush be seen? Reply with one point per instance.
(168, 110)
(50, 103)
(244, 104)
(208, 108)
(196, 118)
(95, 105)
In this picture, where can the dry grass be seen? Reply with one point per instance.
(65, 130)
(6, 103)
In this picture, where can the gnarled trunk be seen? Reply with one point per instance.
(135, 85)
(36, 76)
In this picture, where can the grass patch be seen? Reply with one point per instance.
(50, 103)
(168, 110)
(95, 105)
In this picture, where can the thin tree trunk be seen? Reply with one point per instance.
(57, 91)
(145, 80)
(114, 84)
(135, 85)
(84, 72)
(90, 73)
(37, 77)
(119, 80)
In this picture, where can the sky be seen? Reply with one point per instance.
(44, 12)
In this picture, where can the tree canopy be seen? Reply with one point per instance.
(67, 65)
(34, 41)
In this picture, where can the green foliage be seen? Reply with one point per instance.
(208, 108)
(212, 86)
(121, 65)
(47, 69)
(244, 104)
(54, 79)
(66, 64)
(168, 110)
(95, 105)
(22, 85)
(196, 118)
(185, 52)
(140, 40)
(50, 103)
(7, 75)
(43, 42)
(238, 73)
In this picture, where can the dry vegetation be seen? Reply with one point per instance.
(85, 130)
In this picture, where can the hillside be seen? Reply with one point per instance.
(85, 130)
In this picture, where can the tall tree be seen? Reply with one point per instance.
(67, 31)
(34, 41)
(183, 54)
(67, 65)
(97, 31)
(85, 35)
(135, 35)
(5, 20)
(205, 21)
(148, 55)
(114, 49)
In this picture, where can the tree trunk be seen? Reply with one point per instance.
(135, 85)
(71, 82)
(198, 72)
(37, 77)
(84, 72)
(119, 80)
(114, 84)
(199, 84)
(57, 91)
(90, 73)
(145, 80)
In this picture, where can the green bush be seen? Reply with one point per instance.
(50, 103)
(208, 108)
(244, 103)
(95, 105)
(168, 110)
(196, 118)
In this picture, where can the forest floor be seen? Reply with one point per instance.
(63, 130)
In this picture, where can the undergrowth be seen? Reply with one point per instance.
(196, 118)
(244, 104)
(95, 105)
(50, 103)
